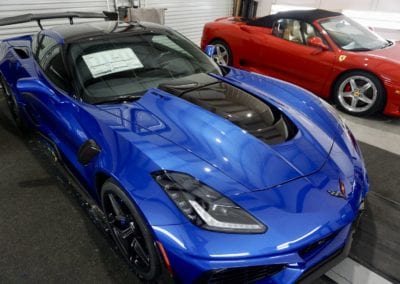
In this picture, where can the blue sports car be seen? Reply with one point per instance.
(204, 173)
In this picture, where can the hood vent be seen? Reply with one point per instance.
(253, 115)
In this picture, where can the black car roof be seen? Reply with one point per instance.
(76, 32)
(302, 15)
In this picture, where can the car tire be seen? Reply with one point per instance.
(223, 54)
(130, 232)
(14, 109)
(359, 93)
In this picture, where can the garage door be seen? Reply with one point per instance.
(189, 17)
(18, 7)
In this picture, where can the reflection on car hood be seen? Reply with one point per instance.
(226, 146)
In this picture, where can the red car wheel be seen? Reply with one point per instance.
(359, 93)
(223, 55)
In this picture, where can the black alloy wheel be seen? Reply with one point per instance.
(130, 232)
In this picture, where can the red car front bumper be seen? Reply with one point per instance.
(392, 107)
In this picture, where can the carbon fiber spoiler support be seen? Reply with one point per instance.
(47, 16)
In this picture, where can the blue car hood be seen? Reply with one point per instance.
(227, 147)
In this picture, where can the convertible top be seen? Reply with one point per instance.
(302, 15)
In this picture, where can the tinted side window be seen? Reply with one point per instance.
(50, 59)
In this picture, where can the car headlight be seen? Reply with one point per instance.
(204, 206)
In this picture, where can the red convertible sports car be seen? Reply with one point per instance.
(322, 51)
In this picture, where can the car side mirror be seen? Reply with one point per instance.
(35, 86)
(210, 50)
(317, 42)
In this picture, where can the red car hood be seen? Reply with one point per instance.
(391, 53)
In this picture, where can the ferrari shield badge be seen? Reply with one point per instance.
(342, 58)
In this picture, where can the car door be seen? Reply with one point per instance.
(289, 55)
(43, 106)
(51, 107)
(250, 48)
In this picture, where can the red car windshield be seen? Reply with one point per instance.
(349, 35)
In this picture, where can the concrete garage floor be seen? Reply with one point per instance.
(47, 236)
(377, 242)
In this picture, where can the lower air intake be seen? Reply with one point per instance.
(240, 275)
(309, 250)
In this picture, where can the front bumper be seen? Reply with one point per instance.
(392, 107)
(308, 231)
(328, 263)
(307, 272)
(291, 267)
(324, 266)
(326, 228)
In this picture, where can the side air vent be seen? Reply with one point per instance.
(258, 118)
(22, 53)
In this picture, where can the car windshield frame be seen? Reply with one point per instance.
(200, 60)
(366, 40)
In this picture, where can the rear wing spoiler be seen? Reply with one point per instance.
(47, 16)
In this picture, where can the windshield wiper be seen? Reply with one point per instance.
(120, 99)
(181, 86)
(387, 44)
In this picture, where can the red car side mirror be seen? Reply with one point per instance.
(317, 42)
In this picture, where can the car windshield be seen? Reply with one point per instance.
(349, 35)
(121, 68)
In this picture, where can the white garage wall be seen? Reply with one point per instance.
(388, 5)
(18, 7)
(189, 17)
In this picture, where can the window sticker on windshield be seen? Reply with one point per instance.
(111, 61)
